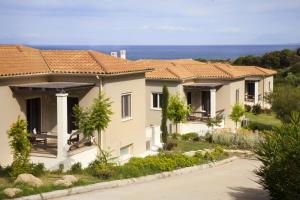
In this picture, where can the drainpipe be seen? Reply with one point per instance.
(100, 91)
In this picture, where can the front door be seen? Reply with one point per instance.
(72, 101)
(206, 101)
(33, 115)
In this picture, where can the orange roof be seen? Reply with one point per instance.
(22, 60)
(188, 68)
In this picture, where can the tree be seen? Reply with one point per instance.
(279, 154)
(236, 113)
(284, 100)
(21, 146)
(164, 113)
(178, 110)
(298, 51)
(271, 59)
(248, 61)
(95, 118)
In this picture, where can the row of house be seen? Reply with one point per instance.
(42, 86)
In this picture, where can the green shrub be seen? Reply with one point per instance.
(243, 139)
(256, 109)
(21, 146)
(104, 171)
(155, 164)
(60, 169)
(217, 154)
(38, 169)
(199, 155)
(247, 108)
(76, 168)
(208, 137)
(170, 145)
(259, 126)
(175, 136)
(190, 137)
(280, 157)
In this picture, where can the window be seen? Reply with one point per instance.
(157, 100)
(237, 96)
(189, 98)
(125, 151)
(126, 106)
(269, 86)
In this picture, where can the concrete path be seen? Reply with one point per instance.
(231, 181)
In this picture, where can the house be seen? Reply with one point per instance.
(42, 86)
(211, 89)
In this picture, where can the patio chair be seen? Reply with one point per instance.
(76, 140)
(36, 138)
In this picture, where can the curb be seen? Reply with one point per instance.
(123, 182)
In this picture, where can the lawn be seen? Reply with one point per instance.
(267, 121)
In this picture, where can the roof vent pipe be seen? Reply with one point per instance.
(123, 54)
(114, 54)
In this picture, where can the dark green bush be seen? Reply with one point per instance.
(208, 137)
(247, 108)
(38, 169)
(190, 137)
(170, 145)
(259, 126)
(76, 168)
(256, 109)
(175, 136)
(280, 156)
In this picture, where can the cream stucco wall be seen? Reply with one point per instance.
(153, 116)
(118, 134)
(121, 133)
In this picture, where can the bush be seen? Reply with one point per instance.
(217, 154)
(170, 145)
(280, 156)
(155, 164)
(175, 136)
(208, 137)
(256, 126)
(190, 137)
(247, 108)
(21, 146)
(243, 139)
(256, 109)
(76, 168)
(38, 169)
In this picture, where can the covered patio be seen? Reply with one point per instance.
(48, 110)
(202, 99)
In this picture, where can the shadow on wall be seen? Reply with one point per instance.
(248, 193)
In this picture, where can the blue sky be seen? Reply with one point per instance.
(152, 22)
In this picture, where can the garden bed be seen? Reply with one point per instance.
(99, 171)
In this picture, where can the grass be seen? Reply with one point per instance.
(266, 120)
(184, 146)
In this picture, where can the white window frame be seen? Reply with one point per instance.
(158, 100)
(130, 150)
(126, 118)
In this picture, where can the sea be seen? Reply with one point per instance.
(136, 52)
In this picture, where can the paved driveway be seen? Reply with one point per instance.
(231, 181)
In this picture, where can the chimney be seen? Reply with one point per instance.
(114, 54)
(123, 54)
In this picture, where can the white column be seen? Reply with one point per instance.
(62, 124)
(255, 92)
(212, 103)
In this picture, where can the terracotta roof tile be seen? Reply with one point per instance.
(188, 68)
(21, 60)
